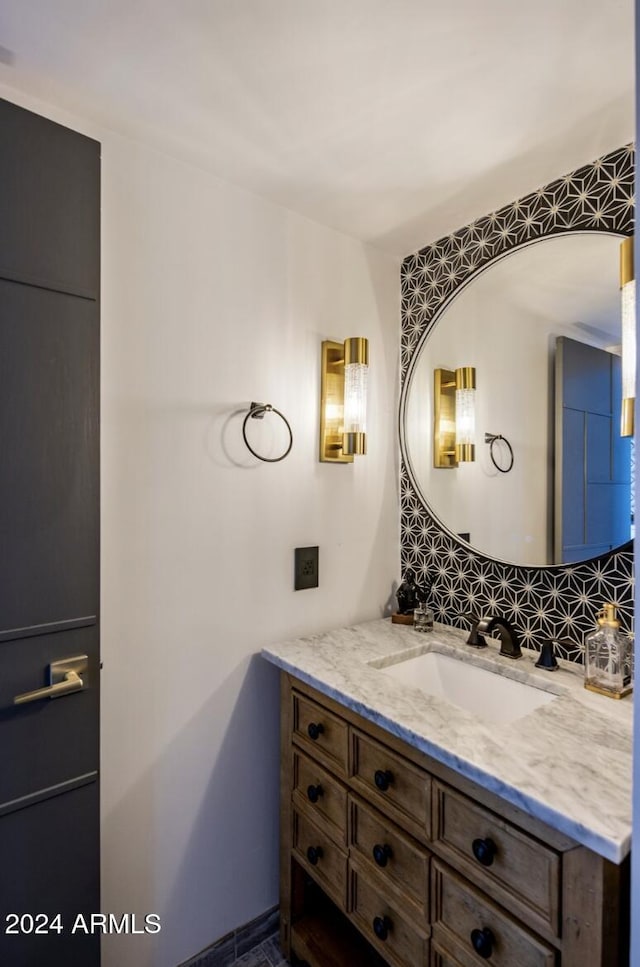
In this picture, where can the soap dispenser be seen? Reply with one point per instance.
(607, 657)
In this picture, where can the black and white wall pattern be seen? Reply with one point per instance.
(542, 602)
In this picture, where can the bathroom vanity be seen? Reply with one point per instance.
(417, 832)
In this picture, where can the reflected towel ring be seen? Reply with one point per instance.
(257, 412)
(491, 438)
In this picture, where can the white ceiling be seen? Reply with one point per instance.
(396, 121)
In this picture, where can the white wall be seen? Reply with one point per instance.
(212, 298)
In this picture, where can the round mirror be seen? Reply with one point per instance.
(534, 325)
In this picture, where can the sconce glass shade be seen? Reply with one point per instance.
(465, 413)
(628, 298)
(356, 371)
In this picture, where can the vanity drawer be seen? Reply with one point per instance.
(322, 734)
(520, 872)
(393, 784)
(459, 913)
(396, 859)
(325, 861)
(401, 937)
(320, 796)
(442, 958)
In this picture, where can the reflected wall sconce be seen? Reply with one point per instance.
(454, 412)
(628, 298)
(343, 399)
(444, 418)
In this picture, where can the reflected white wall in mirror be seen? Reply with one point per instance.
(505, 323)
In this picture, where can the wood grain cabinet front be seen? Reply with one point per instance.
(320, 733)
(321, 857)
(390, 858)
(320, 795)
(441, 958)
(387, 924)
(400, 863)
(519, 871)
(393, 784)
(467, 923)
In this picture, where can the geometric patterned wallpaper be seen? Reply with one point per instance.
(542, 602)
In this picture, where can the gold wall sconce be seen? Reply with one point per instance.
(444, 418)
(628, 299)
(454, 413)
(343, 399)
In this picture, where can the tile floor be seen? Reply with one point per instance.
(266, 954)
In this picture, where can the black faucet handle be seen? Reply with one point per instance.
(547, 659)
(476, 638)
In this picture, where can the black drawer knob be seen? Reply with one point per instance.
(383, 779)
(381, 927)
(314, 792)
(482, 942)
(314, 853)
(484, 850)
(382, 853)
(315, 729)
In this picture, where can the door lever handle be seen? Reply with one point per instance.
(65, 677)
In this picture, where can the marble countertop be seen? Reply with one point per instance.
(567, 763)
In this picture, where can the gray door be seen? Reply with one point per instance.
(593, 462)
(49, 576)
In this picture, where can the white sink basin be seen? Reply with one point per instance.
(486, 694)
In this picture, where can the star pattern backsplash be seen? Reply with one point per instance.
(542, 602)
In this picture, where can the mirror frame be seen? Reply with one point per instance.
(547, 601)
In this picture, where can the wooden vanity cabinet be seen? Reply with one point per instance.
(390, 858)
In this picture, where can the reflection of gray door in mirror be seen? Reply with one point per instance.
(593, 462)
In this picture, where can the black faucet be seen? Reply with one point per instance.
(509, 641)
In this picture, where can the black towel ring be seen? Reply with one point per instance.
(257, 412)
(491, 438)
